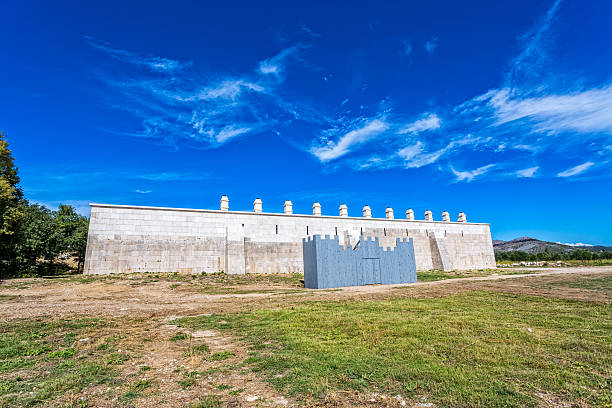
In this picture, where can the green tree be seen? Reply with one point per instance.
(11, 206)
(33, 239)
(35, 245)
(71, 233)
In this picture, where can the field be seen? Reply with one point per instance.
(536, 337)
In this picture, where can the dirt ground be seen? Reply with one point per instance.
(143, 308)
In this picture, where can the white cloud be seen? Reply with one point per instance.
(522, 117)
(354, 137)
(142, 191)
(585, 111)
(406, 47)
(431, 45)
(308, 31)
(429, 122)
(229, 132)
(577, 244)
(267, 67)
(527, 173)
(276, 64)
(470, 175)
(158, 64)
(172, 176)
(575, 170)
(192, 107)
(415, 155)
(228, 89)
(425, 159)
(409, 152)
(529, 62)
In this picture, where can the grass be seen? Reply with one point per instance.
(600, 284)
(589, 262)
(117, 358)
(221, 355)
(436, 275)
(179, 336)
(224, 290)
(7, 297)
(212, 283)
(207, 401)
(473, 349)
(201, 348)
(135, 390)
(189, 378)
(38, 363)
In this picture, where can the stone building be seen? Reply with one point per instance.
(125, 239)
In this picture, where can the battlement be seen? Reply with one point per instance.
(328, 264)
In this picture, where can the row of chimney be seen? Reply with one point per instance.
(367, 211)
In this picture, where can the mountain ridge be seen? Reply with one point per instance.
(534, 246)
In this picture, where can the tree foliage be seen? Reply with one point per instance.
(10, 193)
(33, 239)
(578, 254)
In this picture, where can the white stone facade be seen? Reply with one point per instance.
(151, 239)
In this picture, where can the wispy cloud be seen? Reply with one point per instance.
(576, 244)
(202, 109)
(406, 47)
(582, 111)
(581, 168)
(469, 175)
(356, 136)
(142, 191)
(429, 122)
(424, 159)
(276, 64)
(528, 172)
(431, 45)
(409, 152)
(530, 61)
(530, 117)
(308, 31)
(158, 64)
(172, 176)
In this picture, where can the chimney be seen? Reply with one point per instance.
(288, 207)
(445, 216)
(462, 217)
(343, 210)
(257, 206)
(316, 209)
(389, 213)
(367, 212)
(428, 216)
(224, 203)
(410, 214)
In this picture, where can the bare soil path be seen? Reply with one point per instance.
(129, 296)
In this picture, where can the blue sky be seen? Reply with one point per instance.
(502, 110)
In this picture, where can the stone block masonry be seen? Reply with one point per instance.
(327, 264)
(125, 239)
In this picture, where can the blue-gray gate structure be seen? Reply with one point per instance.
(327, 264)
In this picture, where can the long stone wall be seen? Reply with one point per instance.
(126, 239)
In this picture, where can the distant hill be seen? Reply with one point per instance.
(533, 246)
